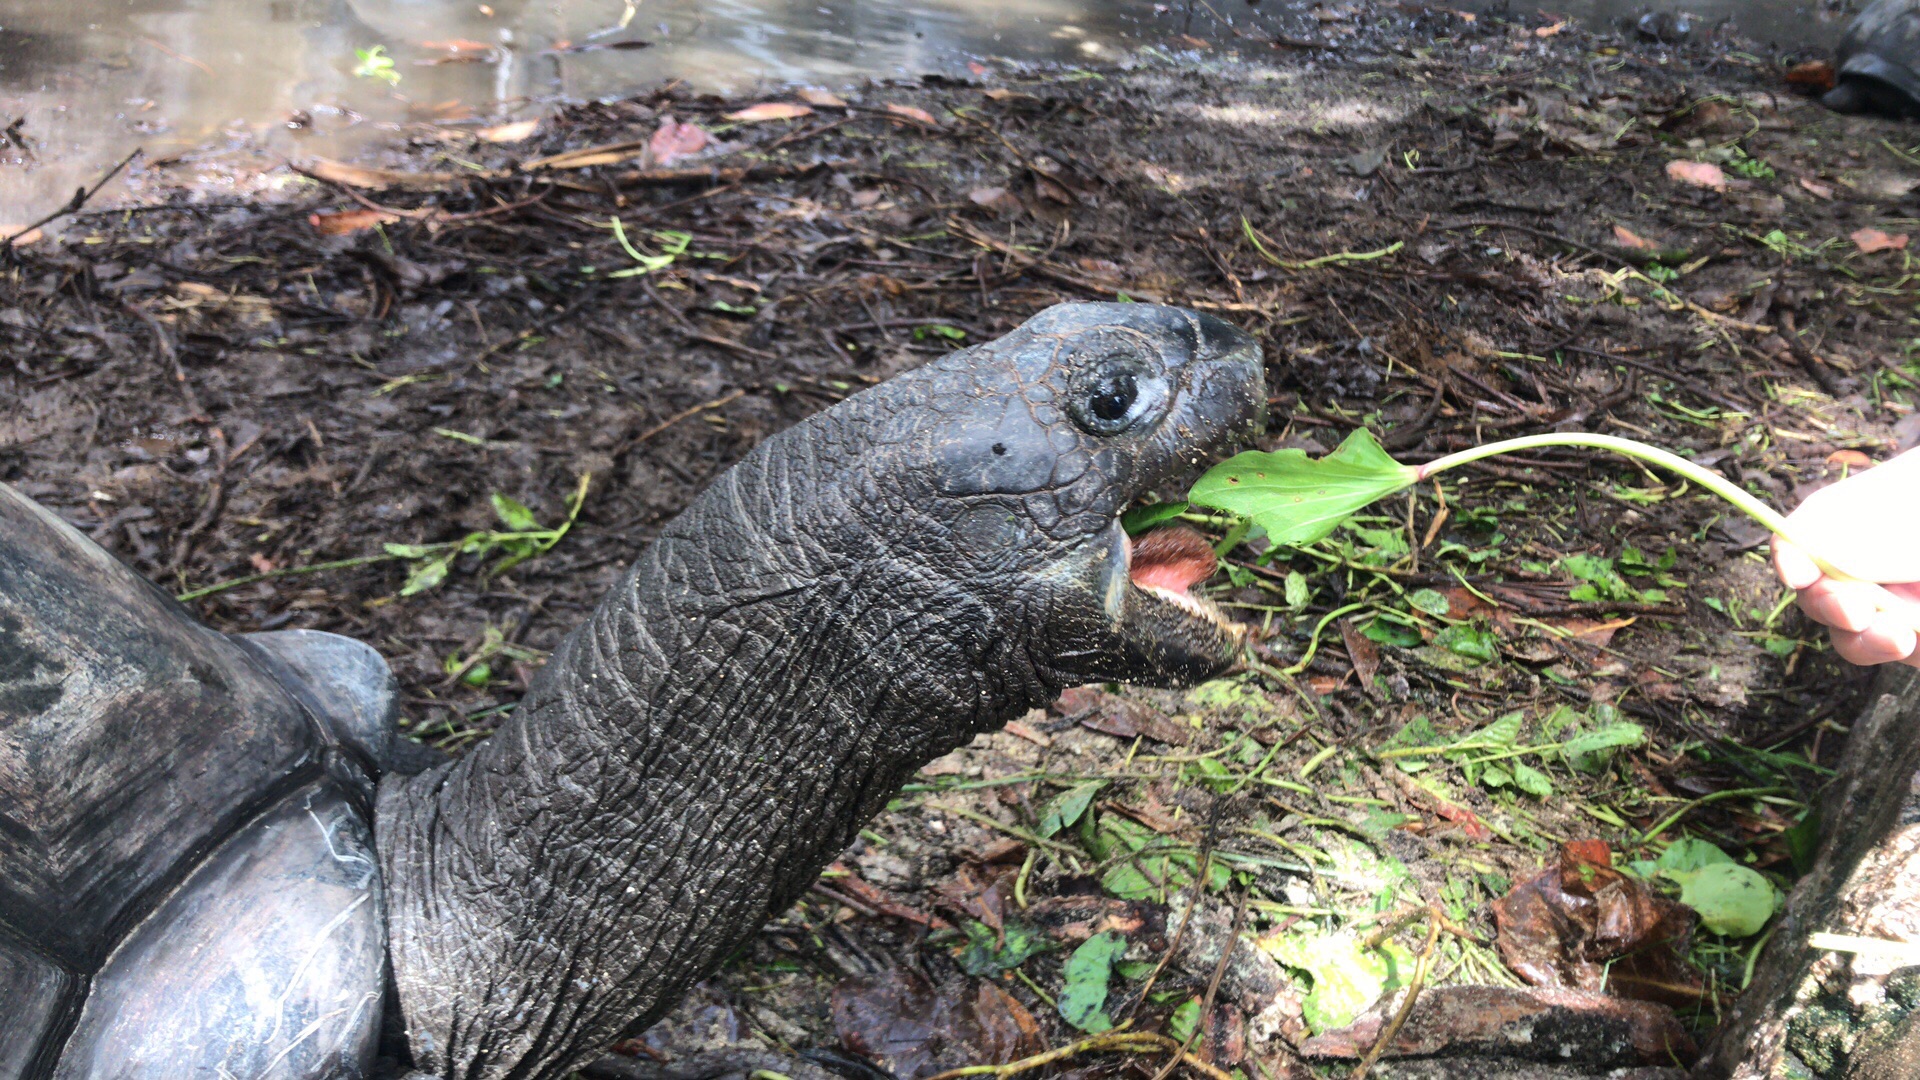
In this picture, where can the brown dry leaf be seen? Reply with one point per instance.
(349, 221)
(24, 238)
(1549, 31)
(920, 116)
(825, 99)
(518, 131)
(1365, 654)
(1001, 93)
(1632, 240)
(1192, 42)
(1816, 189)
(769, 110)
(675, 140)
(1698, 173)
(1872, 240)
(457, 45)
(1125, 720)
(1597, 1030)
(1076, 917)
(1583, 924)
(588, 156)
(901, 1022)
(1849, 459)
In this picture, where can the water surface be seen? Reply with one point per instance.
(93, 79)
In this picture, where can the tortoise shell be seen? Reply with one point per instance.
(1877, 63)
(187, 880)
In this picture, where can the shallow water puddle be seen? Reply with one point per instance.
(90, 80)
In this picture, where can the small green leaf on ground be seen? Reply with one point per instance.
(1297, 499)
(986, 955)
(1346, 978)
(1430, 601)
(1065, 808)
(1731, 899)
(1083, 999)
(1591, 752)
(1183, 1020)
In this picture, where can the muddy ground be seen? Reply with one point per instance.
(291, 395)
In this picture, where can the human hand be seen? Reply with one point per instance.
(1867, 525)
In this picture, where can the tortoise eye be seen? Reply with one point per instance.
(1115, 394)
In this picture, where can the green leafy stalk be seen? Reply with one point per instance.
(1298, 500)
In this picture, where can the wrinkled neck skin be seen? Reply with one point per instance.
(749, 695)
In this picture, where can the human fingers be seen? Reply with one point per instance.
(1843, 605)
(1796, 568)
(1879, 644)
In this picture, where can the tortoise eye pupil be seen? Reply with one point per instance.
(1113, 397)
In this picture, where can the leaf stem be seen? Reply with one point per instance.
(1741, 498)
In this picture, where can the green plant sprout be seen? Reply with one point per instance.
(1299, 500)
(376, 64)
(673, 244)
(524, 539)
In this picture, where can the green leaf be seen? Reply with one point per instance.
(1391, 633)
(985, 956)
(514, 515)
(1297, 591)
(1296, 499)
(1468, 640)
(951, 333)
(1065, 808)
(1731, 899)
(408, 551)
(1183, 1020)
(1689, 854)
(478, 675)
(1083, 999)
(1532, 781)
(1346, 978)
(425, 575)
(1591, 752)
(1141, 518)
(1429, 601)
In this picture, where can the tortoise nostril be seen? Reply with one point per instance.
(1000, 449)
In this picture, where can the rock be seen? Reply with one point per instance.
(1813, 1012)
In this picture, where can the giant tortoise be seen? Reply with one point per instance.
(215, 861)
(1877, 67)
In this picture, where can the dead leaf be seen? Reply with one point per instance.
(1076, 917)
(1549, 31)
(675, 140)
(1698, 173)
(918, 116)
(1632, 240)
(1364, 653)
(588, 156)
(769, 110)
(1597, 1030)
(1582, 924)
(1192, 42)
(518, 131)
(457, 45)
(1872, 240)
(349, 221)
(1028, 732)
(24, 238)
(1816, 189)
(1126, 720)
(1852, 460)
(1814, 76)
(825, 99)
(898, 1020)
(1001, 93)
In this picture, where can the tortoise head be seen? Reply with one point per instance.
(1007, 467)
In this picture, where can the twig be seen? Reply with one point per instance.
(1120, 1040)
(80, 198)
(1400, 1015)
(1213, 984)
(683, 414)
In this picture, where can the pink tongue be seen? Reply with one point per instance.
(1173, 557)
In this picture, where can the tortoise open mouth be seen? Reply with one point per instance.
(1167, 563)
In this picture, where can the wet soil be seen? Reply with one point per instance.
(1448, 230)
